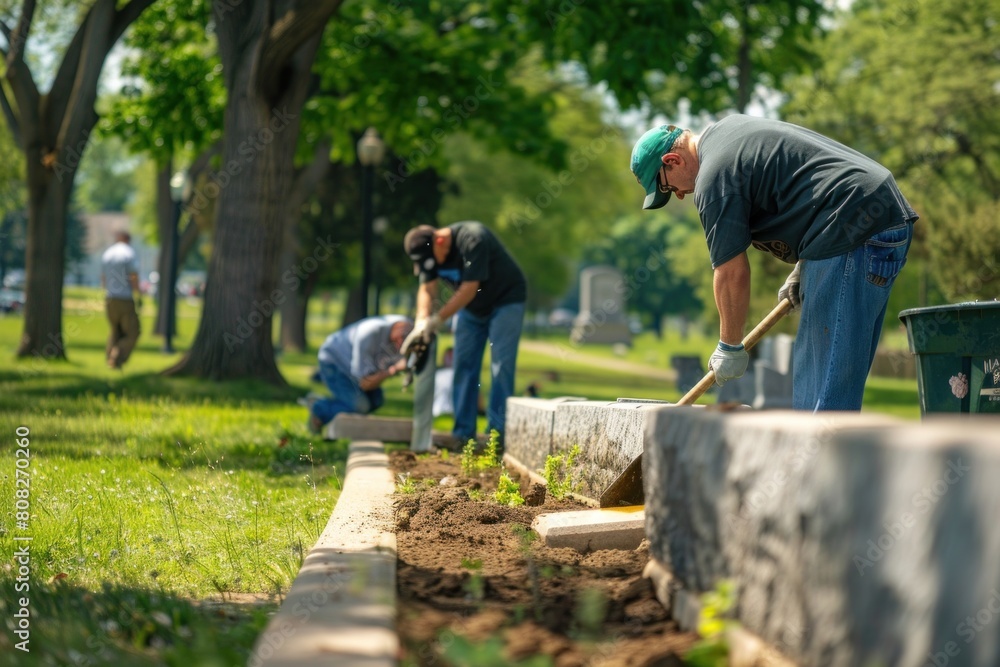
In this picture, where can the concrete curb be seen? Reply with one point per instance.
(341, 608)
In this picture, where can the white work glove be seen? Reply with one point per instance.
(423, 330)
(790, 289)
(729, 362)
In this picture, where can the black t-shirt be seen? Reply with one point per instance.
(789, 191)
(476, 254)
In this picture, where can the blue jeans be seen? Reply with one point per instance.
(347, 395)
(843, 305)
(502, 328)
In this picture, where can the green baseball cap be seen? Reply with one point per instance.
(646, 162)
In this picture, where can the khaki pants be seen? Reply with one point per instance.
(124, 330)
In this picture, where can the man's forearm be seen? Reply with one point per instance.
(373, 381)
(425, 299)
(731, 284)
(462, 297)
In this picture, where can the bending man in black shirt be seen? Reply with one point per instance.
(490, 291)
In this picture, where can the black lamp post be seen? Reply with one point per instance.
(379, 225)
(178, 185)
(370, 153)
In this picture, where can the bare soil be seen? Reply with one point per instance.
(471, 577)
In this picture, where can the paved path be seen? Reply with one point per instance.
(566, 352)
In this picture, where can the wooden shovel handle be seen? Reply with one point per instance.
(783, 308)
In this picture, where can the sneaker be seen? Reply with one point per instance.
(449, 441)
(308, 400)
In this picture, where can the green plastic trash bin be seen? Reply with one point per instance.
(957, 349)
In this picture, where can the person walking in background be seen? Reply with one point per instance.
(490, 291)
(120, 279)
(353, 364)
(834, 213)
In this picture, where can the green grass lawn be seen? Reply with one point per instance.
(153, 498)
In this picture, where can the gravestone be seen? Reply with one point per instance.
(773, 373)
(689, 371)
(742, 390)
(602, 308)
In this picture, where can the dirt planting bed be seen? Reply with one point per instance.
(477, 587)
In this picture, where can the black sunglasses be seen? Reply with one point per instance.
(663, 185)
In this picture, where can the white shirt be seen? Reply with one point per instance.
(117, 263)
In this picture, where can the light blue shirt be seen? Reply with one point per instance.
(362, 348)
(117, 263)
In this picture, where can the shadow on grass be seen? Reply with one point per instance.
(118, 625)
(284, 460)
(74, 383)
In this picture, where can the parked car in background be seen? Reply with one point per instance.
(191, 283)
(11, 301)
(14, 279)
(561, 317)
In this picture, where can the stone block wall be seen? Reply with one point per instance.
(853, 539)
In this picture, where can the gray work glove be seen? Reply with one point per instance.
(423, 330)
(790, 289)
(729, 362)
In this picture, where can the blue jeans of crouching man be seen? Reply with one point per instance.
(502, 328)
(347, 395)
(844, 301)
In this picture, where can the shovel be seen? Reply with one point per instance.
(627, 487)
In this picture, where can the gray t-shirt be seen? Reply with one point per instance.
(117, 263)
(476, 254)
(789, 191)
(362, 348)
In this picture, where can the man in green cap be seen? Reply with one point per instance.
(834, 213)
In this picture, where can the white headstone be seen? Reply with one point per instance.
(602, 307)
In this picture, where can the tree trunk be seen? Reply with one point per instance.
(294, 317)
(744, 66)
(48, 203)
(352, 309)
(53, 130)
(164, 226)
(267, 63)
(295, 307)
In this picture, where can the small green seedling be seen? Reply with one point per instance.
(473, 463)
(713, 649)
(406, 483)
(508, 491)
(491, 457)
(469, 463)
(558, 473)
(476, 585)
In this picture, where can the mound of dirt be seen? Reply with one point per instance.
(477, 587)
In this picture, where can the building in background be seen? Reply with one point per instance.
(100, 231)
